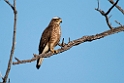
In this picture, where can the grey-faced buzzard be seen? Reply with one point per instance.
(50, 38)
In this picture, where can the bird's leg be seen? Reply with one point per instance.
(52, 49)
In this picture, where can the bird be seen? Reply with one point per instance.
(49, 38)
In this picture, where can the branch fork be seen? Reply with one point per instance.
(106, 14)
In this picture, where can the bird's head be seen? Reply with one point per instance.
(57, 20)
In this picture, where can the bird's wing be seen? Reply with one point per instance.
(45, 39)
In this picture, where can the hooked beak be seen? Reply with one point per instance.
(60, 20)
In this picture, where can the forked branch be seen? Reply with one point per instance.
(106, 14)
(118, 7)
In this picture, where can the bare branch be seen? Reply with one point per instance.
(111, 7)
(98, 4)
(101, 11)
(13, 40)
(74, 43)
(69, 40)
(106, 17)
(118, 23)
(9, 4)
(107, 21)
(105, 14)
(62, 44)
(17, 59)
(118, 7)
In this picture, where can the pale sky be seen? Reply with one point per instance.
(99, 61)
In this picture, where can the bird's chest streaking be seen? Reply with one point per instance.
(55, 35)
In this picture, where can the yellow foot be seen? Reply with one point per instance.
(54, 51)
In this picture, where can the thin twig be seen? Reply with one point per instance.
(118, 23)
(108, 23)
(105, 14)
(73, 43)
(17, 59)
(98, 4)
(62, 44)
(9, 4)
(13, 40)
(69, 40)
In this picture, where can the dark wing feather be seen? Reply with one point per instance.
(44, 38)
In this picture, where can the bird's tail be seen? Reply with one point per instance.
(39, 62)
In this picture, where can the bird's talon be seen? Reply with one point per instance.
(55, 51)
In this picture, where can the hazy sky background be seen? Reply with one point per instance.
(99, 61)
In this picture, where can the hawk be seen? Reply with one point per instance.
(50, 38)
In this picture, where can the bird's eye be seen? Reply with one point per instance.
(56, 20)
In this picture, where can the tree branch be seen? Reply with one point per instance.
(73, 43)
(9, 4)
(105, 14)
(118, 7)
(111, 7)
(13, 40)
(118, 23)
